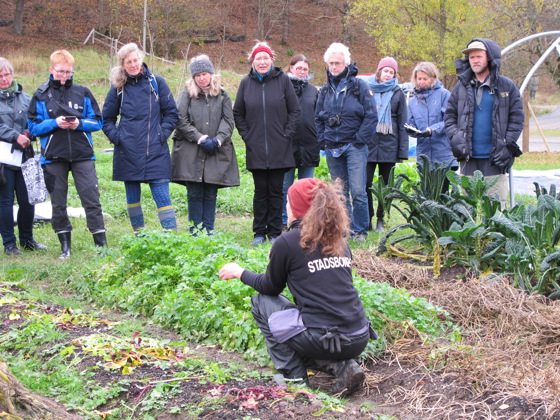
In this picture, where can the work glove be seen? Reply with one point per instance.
(209, 145)
(505, 157)
(331, 339)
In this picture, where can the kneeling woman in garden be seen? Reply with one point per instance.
(326, 328)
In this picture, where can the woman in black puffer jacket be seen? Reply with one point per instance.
(304, 144)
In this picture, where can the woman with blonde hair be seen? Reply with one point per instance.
(325, 328)
(266, 112)
(425, 117)
(203, 155)
(148, 115)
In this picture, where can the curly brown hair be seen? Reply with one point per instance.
(326, 225)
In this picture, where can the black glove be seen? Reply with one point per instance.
(505, 157)
(411, 130)
(209, 145)
(331, 339)
(414, 132)
(514, 149)
(424, 133)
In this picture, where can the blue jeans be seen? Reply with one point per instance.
(305, 172)
(350, 167)
(15, 183)
(202, 205)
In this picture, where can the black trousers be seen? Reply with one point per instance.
(267, 201)
(384, 171)
(292, 357)
(85, 180)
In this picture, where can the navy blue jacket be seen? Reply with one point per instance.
(426, 110)
(507, 114)
(148, 115)
(353, 103)
(52, 100)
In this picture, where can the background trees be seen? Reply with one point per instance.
(410, 30)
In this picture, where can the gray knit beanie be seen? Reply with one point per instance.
(201, 66)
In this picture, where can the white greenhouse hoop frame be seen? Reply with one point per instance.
(554, 46)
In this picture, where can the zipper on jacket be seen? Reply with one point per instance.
(47, 146)
(69, 142)
(149, 118)
(265, 134)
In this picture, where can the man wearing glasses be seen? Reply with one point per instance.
(64, 114)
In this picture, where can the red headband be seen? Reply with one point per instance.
(259, 49)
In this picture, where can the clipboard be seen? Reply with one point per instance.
(9, 155)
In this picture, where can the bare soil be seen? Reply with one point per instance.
(505, 367)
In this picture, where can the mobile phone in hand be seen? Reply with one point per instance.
(70, 118)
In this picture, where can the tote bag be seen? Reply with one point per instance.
(34, 179)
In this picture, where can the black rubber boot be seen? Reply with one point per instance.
(65, 239)
(349, 377)
(379, 227)
(100, 239)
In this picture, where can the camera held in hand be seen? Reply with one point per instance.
(334, 121)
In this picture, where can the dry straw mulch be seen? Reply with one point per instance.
(509, 354)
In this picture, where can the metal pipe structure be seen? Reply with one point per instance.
(554, 45)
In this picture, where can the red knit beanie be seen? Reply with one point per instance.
(388, 62)
(301, 195)
(259, 49)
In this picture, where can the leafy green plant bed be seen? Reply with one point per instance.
(173, 280)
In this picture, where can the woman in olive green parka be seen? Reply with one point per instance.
(203, 155)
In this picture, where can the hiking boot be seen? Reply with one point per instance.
(273, 239)
(349, 377)
(12, 250)
(259, 240)
(34, 246)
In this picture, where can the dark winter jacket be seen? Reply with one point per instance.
(52, 100)
(321, 286)
(13, 116)
(305, 144)
(148, 115)
(352, 102)
(507, 116)
(391, 147)
(198, 116)
(266, 115)
(426, 110)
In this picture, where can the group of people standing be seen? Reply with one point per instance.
(361, 126)
(283, 119)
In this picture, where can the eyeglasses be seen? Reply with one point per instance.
(5, 75)
(302, 69)
(63, 72)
